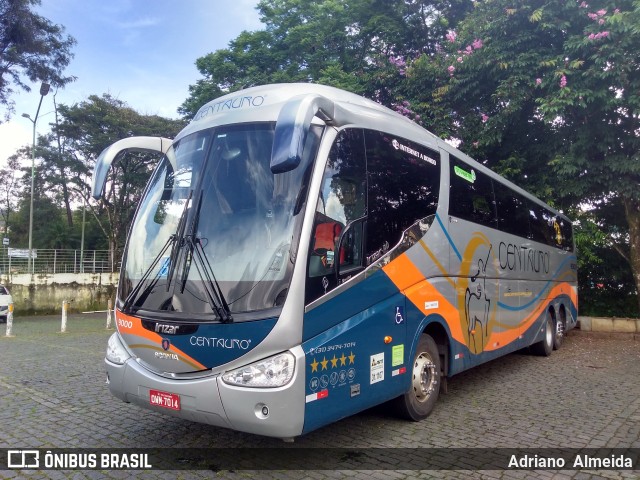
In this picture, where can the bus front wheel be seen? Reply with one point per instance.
(419, 400)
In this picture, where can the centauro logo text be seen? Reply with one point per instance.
(214, 342)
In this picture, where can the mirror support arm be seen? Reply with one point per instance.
(293, 124)
(109, 154)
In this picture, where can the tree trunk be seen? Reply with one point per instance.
(632, 214)
(65, 191)
(67, 203)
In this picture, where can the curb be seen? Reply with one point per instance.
(623, 337)
(611, 325)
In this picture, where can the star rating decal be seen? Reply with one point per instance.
(314, 365)
(335, 362)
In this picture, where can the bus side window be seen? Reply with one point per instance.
(471, 195)
(342, 200)
(326, 235)
(404, 179)
(513, 211)
(567, 235)
(350, 253)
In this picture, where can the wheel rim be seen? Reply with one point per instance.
(559, 332)
(424, 377)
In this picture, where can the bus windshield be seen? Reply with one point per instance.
(216, 227)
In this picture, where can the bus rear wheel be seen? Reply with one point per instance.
(419, 400)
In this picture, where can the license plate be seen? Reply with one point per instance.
(164, 399)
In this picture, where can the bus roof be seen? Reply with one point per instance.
(264, 103)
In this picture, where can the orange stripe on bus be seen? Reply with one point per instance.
(500, 339)
(409, 280)
(139, 331)
(403, 273)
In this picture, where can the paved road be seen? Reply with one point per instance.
(53, 395)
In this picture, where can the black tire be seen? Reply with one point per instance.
(545, 346)
(419, 400)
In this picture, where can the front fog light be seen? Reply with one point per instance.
(116, 353)
(271, 372)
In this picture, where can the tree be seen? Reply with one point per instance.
(605, 280)
(351, 45)
(48, 224)
(85, 129)
(32, 47)
(60, 168)
(546, 92)
(9, 192)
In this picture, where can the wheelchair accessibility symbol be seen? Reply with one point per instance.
(399, 315)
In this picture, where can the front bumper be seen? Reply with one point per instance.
(209, 400)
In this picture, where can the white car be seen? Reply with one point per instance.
(5, 301)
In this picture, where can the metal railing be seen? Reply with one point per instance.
(16, 261)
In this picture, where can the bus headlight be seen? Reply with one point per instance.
(271, 372)
(116, 353)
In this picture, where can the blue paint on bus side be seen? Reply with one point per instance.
(357, 357)
(360, 296)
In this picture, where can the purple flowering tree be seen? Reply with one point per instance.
(548, 93)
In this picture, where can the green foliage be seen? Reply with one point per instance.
(65, 161)
(605, 280)
(90, 126)
(345, 44)
(49, 229)
(31, 47)
(545, 93)
(9, 190)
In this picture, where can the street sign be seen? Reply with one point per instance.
(5, 241)
(22, 253)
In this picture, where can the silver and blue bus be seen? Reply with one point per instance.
(302, 253)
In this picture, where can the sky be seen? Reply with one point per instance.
(142, 52)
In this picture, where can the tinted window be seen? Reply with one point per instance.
(342, 200)
(541, 224)
(472, 197)
(563, 233)
(471, 194)
(513, 211)
(404, 178)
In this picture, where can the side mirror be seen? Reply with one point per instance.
(293, 126)
(109, 154)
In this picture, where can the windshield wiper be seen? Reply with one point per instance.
(130, 300)
(174, 240)
(177, 245)
(216, 297)
(212, 287)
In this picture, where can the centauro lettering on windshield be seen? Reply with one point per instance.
(231, 104)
